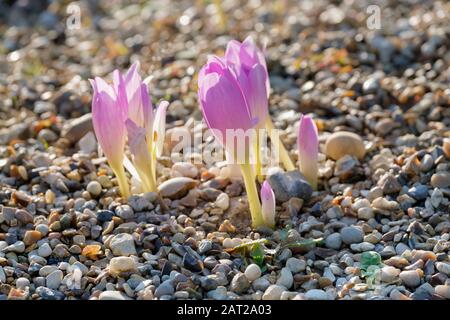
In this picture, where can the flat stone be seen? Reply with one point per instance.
(176, 188)
(53, 280)
(113, 295)
(291, 184)
(75, 129)
(317, 294)
(295, 265)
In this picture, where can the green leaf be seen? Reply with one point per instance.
(257, 254)
(303, 246)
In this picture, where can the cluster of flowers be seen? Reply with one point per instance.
(233, 93)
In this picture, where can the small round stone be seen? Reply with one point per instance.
(118, 265)
(343, 143)
(22, 283)
(334, 241)
(252, 272)
(45, 250)
(94, 188)
(273, 292)
(295, 265)
(352, 235)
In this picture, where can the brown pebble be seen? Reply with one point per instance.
(227, 226)
(31, 236)
(24, 216)
(92, 251)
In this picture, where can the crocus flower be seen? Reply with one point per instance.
(109, 112)
(308, 148)
(122, 109)
(225, 108)
(268, 204)
(144, 126)
(222, 100)
(249, 65)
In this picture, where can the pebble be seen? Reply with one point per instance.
(316, 294)
(252, 272)
(273, 292)
(113, 295)
(334, 241)
(124, 211)
(443, 291)
(49, 294)
(295, 265)
(94, 188)
(75, 129)
(45, 250)
(285, 279)
(2, 276)
(165, 288)
(291, 184)
(122, 244)
(222, 201)
(240, 283)
(411, 278)
(31, 236)
(352, 235)
(176, 188)
(366, 213)
(260, 284)
(440, 179)
(22, 283)
(343, 143)
(138, 204)
(118, 265)
(389, 274)
(53, 280)
(443, 267)
(419, 192)
(186, 169)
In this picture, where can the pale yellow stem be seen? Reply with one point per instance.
(124, 188)
(252, 195)
(276, 141)
(258, 165)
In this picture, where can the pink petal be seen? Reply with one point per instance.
(308, 137)
(159, 127)
(108, 125)
(223, 104)
(232, 52)
(268, 204)
(256, 93)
